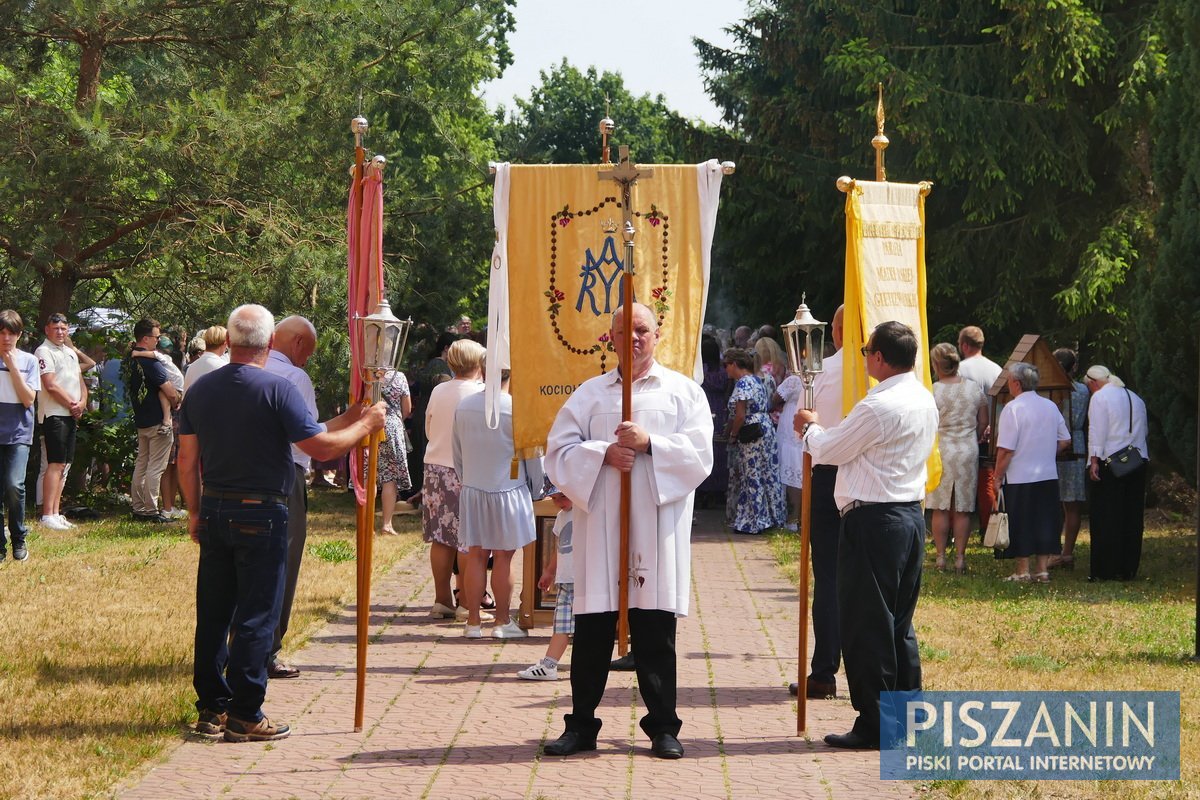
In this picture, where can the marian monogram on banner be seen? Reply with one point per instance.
(565, 256)
(592, 288)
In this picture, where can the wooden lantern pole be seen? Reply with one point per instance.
(805, 526)
(369, 446)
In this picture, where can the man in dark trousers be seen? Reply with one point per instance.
(880, 450)
(667, 450)
(238, 422)
(295, 341)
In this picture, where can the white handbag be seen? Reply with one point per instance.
(996, 535)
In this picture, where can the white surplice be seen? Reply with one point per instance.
(673, 410)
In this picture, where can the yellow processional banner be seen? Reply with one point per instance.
(885, 280)
(560, 254)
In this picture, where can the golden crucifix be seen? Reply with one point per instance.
(625, 173)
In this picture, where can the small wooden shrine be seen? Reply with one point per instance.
(1053, 382)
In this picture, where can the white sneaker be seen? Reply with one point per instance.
(539, 672)
(176, 513)
(509, 630)
(53, 524)
(65, 521)
(460, 614)
(441, 612)
(473, 631)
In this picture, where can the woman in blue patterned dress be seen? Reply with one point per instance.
(393, 451)
(755, 500)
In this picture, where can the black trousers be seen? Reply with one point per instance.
(826, 526)
(297, 535)
(1116, 511)
(879, 579)
(591, 653)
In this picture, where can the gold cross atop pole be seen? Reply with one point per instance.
(625, 174)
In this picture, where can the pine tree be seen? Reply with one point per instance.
(1031, 119)
(1167, 293)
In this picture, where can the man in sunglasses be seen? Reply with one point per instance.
(880, 450)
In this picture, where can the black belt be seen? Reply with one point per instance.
(855, 504)
(246, 497)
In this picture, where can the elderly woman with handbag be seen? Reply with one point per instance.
(1032, 433)
(755, 501)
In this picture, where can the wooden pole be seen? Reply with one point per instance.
(366, 539)
(1196, 656)
(626, 477)
(805, 526)
(360, 520)
(626, 175)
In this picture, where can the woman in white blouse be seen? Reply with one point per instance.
(441, 488)
(1032, 433)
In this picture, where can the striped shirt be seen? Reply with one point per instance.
(881, 447)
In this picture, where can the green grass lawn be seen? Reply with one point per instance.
(96, 656)
(977, 632)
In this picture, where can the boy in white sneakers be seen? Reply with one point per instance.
(558, 570)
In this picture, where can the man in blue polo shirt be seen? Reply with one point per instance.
(238, 422)
(18, 390)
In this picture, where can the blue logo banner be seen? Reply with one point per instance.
(1029, 736)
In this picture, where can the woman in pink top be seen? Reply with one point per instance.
(440, 491)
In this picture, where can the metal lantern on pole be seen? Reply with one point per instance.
(805, 339)
(805, 344)
(382, 337)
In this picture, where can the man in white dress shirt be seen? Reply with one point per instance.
(294, 343)
(977, 367)
(880, 449)
(667, 448)
(825, 526)
(1116, 418)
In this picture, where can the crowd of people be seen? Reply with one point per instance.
(739, 435)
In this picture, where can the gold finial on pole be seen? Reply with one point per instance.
(880, 142)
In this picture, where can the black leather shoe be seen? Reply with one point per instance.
(819, 690)
(623, 664)
(570, 743)
(666, 746)
(794, 689)
(850, 741)
(278, 669)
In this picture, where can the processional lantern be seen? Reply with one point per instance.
(382, 337)
(805, 339)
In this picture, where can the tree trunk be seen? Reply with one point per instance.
(57, 288)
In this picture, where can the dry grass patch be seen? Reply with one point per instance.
(96, 656)
(978, 633)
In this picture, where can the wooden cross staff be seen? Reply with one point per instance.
(625, 174)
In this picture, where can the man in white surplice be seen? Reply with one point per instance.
(667, 448)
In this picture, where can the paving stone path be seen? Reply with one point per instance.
(446, 717)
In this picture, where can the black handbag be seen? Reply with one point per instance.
(1128, 458)
(750, 432)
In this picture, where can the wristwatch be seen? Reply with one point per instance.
(804, 430)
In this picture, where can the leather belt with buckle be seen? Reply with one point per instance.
(246, 497)
(853, 504)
